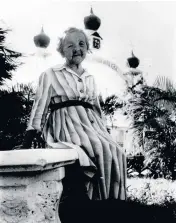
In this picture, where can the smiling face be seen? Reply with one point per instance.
(75, 48)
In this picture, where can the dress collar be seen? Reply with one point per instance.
(64, 66)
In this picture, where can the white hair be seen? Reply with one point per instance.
(60, 45)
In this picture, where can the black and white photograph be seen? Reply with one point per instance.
(87, 111)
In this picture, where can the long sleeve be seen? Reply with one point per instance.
(41, 103)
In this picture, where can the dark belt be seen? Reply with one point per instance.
(70, 103)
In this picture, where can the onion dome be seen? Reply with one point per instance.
(92, 22)
(133, 61)
(42, 40)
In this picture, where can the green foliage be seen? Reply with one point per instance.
(152, 191)
(152, 110)
(16, 104)
(110, 104)
(135, 163)
(8, 58)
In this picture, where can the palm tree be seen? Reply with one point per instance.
(153, 114)
(110, 105)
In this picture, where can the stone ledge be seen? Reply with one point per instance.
(30, 160)
(31, 184)
(19, 180)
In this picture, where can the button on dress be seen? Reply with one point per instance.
(79, 128)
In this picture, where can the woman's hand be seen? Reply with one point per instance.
(32, 139)
(38, 141)
(29, 136)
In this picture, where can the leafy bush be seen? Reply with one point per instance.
(8, 58)
(16, 105)
(135, 163)
(152, 191)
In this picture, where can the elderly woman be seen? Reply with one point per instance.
(67, 112)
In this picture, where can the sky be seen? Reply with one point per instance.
(149, 28)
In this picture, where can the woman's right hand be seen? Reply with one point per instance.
(29, 136)
(38, 141)
(32, 139)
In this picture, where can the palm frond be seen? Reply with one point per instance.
(164, 83)
(110, 104)
(166, 93)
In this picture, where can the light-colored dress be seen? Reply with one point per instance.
(80, 128)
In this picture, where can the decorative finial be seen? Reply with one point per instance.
(92, 22)
(133, 61)
(132, 54)
(42, 40)
(91, 10)
(42, 30)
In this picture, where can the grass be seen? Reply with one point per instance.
(156, 196)
(149, 200)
